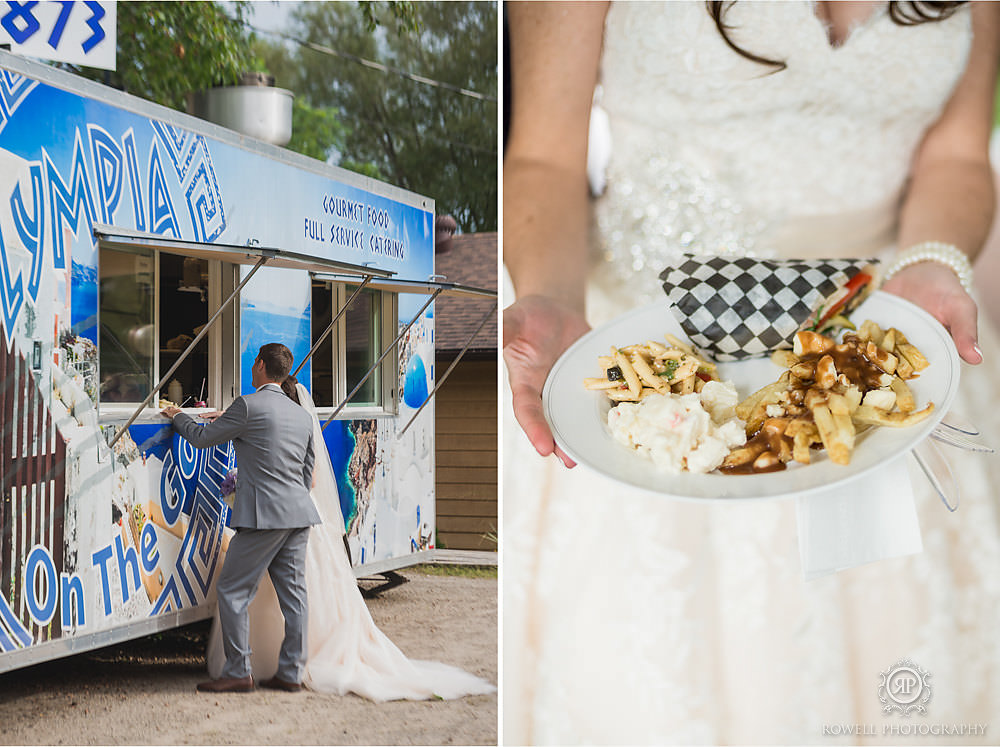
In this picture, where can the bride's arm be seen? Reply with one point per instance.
(951, 197)
(555, 51)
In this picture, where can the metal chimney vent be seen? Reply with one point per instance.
(255, 108)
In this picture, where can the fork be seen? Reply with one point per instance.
(958, 423)
(959, 441)
(954, 430)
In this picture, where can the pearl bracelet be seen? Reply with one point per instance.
(934, 251)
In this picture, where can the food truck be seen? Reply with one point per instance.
(146, 255)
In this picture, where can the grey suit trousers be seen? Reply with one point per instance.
(282, 553)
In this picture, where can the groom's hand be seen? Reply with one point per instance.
(170, 412)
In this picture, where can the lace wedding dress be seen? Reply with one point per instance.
(633, 619)
(346, 652)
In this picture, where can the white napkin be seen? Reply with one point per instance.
(872, 517)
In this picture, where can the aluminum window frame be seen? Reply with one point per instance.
(386, 308)
(222, 340)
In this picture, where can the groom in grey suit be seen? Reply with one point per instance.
(273, 511)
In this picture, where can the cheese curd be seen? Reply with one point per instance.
(681, 432)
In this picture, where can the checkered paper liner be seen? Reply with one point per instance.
(734, 308)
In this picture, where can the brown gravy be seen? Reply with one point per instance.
(768, 438)
(850, 359)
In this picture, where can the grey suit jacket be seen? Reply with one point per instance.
(273, 437)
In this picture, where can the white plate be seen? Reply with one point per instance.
(578, 416)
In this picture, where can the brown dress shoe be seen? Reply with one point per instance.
(227, 685)
(276, 683)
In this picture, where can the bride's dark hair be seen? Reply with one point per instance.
(288, 387)
(909, 13)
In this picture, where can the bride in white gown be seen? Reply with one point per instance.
(346, 650)
(630, 618)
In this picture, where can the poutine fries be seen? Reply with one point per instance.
(828, 393)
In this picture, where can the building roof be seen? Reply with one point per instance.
(469, 259)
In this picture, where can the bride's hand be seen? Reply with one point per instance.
(936, 289)
(536, 331)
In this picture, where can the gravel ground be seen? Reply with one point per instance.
(143, 691)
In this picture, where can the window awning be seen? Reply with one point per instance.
(431, 288)
(113, 237)
(116, 238)
(400, 285)
(402, 333)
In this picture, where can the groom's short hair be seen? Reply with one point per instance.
(277, 360)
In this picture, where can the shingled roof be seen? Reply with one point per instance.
(469, 259)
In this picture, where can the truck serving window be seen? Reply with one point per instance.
(152, 305)
(127, 339)
(343, 360)
(183, 299)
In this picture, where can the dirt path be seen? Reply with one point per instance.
(143, 692)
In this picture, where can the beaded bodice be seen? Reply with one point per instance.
(712, 152)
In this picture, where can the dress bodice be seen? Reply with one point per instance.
(712, 152)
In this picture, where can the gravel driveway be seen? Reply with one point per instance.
(143, 692)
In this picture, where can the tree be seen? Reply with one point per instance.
(167, 50)
(431, 139)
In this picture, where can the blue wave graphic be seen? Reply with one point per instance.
(258, 327)
(83, 298)
(340, 442)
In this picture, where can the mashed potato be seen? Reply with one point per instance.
(681, 432)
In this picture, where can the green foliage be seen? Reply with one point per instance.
(996, 106)
(316, 133)
(169, 49)
(365, 169)
(406, 17)
(431, 140)
(314, 130)
(428, 139)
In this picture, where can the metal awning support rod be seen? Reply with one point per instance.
(439, 382)
(329, 329)
(187, 351)
(123, 238)
(380, 358)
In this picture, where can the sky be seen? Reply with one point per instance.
(271, 14)
(268, 15)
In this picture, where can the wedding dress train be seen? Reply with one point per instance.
(346, 652)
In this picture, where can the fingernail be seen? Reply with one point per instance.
(975, 346)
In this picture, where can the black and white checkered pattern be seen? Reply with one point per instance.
(739, 307)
